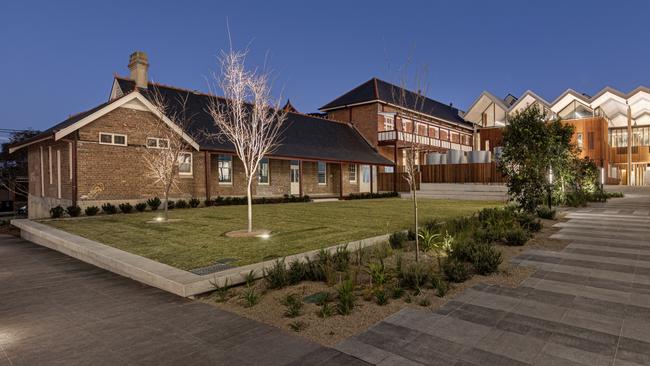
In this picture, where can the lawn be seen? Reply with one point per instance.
(198, 240)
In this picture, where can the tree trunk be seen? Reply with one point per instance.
(250, 206)
(166, 213)
(415, 214)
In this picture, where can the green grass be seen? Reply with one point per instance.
(198, 240)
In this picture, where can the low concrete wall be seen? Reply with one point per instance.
(154, 273)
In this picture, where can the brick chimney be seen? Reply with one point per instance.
(139, 65)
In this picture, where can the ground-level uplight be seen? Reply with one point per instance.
(264, 236)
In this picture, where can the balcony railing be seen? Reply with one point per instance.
(419, 139)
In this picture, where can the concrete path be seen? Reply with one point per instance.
(586, 305)
(56, 310)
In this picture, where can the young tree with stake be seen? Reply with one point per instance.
(165, 156)
(412, 101)
(248, 116)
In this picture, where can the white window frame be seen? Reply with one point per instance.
(180, 159)
(266, 161)
(318, 173)
(49, 162)
(579, 140)
(230, 169)
(113, 139)
(70, 159)
(389, 123)
(157, 139)
(353, 174)
(58, 173)
(42, 172)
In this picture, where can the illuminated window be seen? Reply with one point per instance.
(224, 165)
(264, 171)
(185, 163)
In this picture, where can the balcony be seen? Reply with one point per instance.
(390, 137)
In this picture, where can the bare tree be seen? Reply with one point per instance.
(412, 102)
(166, 154)
(248, 116)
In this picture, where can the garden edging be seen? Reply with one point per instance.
(154, 273)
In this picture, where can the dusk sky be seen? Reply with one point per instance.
(58, 58)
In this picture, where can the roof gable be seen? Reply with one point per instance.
(379, 90)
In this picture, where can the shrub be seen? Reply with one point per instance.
(277, 276)
(251, 298)
(576, 199)
(91, 210)
(154, 203)
(208, 202)
(297, 272)
(424, 301)
(397, 292)
(410, 235)
(341, 259)
(73, 211)
(456, 271)
(486, 259)
(109, 208)
(293, 304)
(140, 207)
(414, 276)
(182, 204)
(516, 236)
(326, 310)
(56, 212)
(381, 296)
(378, 274)
(220, 291)
(440, 285)
(397, 239)
(529, 222)
(194, 202)
(250, 278)
(126, 207)
(298, 326)
(614, 194)
(545, 213)
(345, 297)
(171, 204)
(361, 196)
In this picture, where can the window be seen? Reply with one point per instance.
(389, 169)
(264, 171)
(590, 140)
(322, 173)
(353, 173)
(436, 132)
(579, 139)
(157, 143)
(112, 139)
(224, 166)
(185, 164)
(406, 125)
(389, 123)
(575, 110)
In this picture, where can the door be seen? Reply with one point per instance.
(295, 179)
(364, 185)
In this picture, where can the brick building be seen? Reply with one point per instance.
(96, 156)
(391, 118)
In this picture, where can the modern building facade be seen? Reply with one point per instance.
(612, 128)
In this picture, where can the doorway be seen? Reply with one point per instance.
(364, 185)
(295, 178)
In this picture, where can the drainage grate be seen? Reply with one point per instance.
(221, 265)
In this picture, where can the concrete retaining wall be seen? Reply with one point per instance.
(154, 273)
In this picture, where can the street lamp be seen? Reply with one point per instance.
(550, 183)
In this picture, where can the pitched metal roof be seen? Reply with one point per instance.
(302, 136)
(379, 90)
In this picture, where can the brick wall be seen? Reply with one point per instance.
(108, 172)
(310, 184)
(51, 167)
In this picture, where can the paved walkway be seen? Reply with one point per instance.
(586, 305)
(55, 310)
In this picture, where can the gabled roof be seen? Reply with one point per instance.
(376, 90)
(302, 136)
